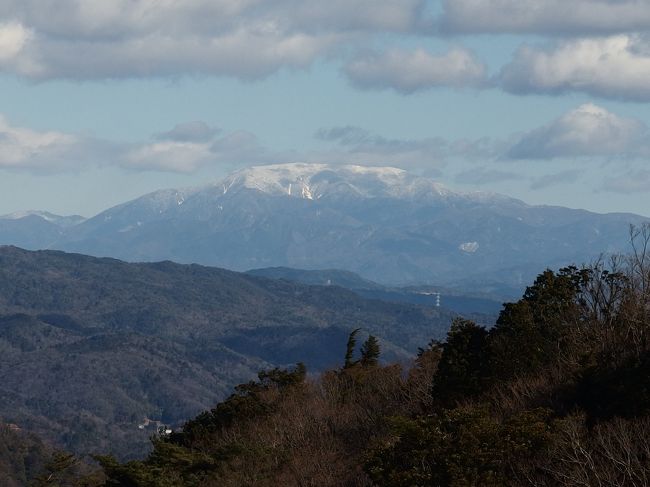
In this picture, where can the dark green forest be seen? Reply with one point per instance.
(557, 393)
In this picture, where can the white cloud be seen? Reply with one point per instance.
(410, 71)
(191, 146)
(13, 37)
(186, 148)
(243, 53)
(352, 15)
(615, 67)
(589, 131)
(15, 40)
(117, 19)
(23, 148)
(569, 17)
(168, 156)
(248, 39)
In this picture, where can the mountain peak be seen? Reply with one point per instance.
(387, 224)
(314, 181)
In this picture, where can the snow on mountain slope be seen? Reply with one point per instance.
(315, 181)
(329, 183)
(383, 223)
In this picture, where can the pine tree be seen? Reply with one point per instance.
(370, 352)
(349, 350)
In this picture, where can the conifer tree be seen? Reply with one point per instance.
(349, 350)
(462, 368)
(370, 352)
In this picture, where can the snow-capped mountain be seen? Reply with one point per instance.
(316, 181)
(384, 223)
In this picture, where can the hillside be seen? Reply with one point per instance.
(324, 277)
(91, 347)
(556, 394)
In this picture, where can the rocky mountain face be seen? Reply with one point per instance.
(383, 223)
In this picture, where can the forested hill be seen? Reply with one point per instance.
(91, 347)
(557, 393)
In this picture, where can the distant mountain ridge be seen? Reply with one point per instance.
(62, 221)
(385, 224)
(483, 308)
(324, 277)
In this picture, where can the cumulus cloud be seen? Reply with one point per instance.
(170, 155)
(569, 17)
(26, 149)
(247, 39)
(128, 18)
(186, 148)
(243, 53)
(613, 67)
(400, 16)
(13, 37)
(14, 40)
(411, 71)
(190, 146)
(587, 131)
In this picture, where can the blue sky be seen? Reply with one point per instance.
(102, 101)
